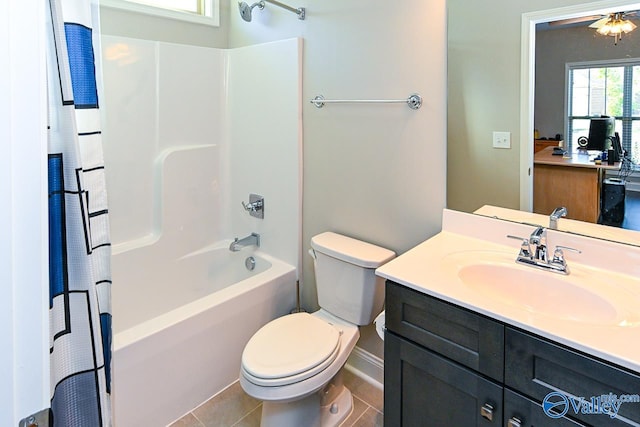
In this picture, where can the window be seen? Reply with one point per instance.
(192, 6)
(611, 89)
(198, 11)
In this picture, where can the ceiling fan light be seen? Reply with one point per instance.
(616, 28)
(605, 29)
(628, 26)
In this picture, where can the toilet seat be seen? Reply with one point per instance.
(290, 349)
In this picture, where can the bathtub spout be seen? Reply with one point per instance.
(237, 244)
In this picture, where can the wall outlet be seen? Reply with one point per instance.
(501, 139)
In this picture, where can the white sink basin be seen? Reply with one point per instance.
(585, 296)
(545, 295)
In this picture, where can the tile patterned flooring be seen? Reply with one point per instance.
(234, 408)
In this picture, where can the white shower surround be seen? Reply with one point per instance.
(189, 133)
(163, 97)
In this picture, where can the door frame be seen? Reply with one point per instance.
(24, 306)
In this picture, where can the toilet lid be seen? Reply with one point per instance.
(290, 345)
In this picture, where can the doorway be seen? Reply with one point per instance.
(527, 82)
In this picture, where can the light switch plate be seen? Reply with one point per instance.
(501, 139)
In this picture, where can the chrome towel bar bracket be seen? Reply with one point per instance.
(414, 101)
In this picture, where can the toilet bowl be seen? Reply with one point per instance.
(293, 363)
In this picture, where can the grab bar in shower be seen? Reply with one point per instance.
(414, 101)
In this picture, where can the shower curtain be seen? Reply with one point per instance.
(79, 245)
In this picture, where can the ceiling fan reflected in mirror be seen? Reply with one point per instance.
(614, 24)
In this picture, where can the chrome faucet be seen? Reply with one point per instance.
(252, 239)
(533, 252)
(555, 216)
(539, 241)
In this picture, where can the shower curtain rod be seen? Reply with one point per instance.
(414, 101)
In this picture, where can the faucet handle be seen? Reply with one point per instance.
(567, 248)
(255, 207)
(525, 247)
(558, 254)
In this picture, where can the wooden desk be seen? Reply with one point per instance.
(571, 181)
(541, 144)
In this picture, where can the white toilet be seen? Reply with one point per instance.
(293, 362)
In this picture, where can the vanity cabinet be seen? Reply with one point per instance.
(449, 366)
(535, 367)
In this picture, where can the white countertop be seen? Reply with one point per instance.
(431, 268)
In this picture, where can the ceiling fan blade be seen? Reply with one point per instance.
(599, 23)
(577, 20)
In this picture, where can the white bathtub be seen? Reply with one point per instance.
(180, 326)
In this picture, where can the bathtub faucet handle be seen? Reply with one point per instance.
(252, 207)
(255, 207)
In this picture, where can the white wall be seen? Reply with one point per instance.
(24, 316)
(122, 23)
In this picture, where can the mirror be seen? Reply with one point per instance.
(532, 58)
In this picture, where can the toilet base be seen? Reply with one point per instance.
(309, 411)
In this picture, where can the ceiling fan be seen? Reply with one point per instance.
(614, 24)
(597, 20)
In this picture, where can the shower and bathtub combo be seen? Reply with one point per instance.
(187, 297)
(184, 304)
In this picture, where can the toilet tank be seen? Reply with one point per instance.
(345, 276)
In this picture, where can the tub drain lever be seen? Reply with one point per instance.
(255, 207)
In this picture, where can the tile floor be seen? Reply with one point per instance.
(234, 408)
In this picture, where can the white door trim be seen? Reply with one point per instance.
(24, 306)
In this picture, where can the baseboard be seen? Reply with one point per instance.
(367, 366)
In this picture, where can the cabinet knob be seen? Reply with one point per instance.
(487, 411)
(514, 422)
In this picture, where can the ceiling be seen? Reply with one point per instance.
(583, 21)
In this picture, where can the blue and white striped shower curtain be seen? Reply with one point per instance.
(79, 245)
